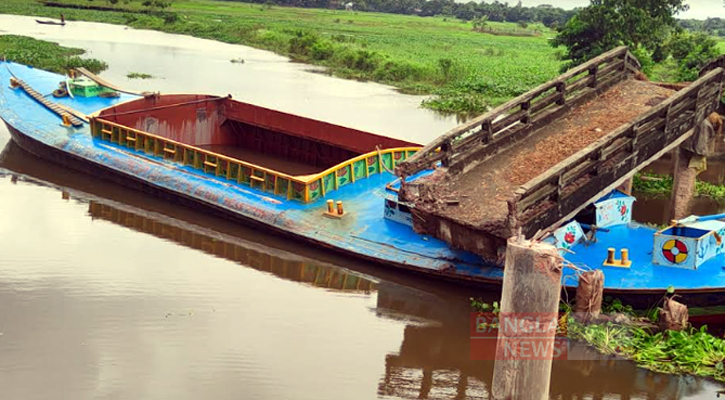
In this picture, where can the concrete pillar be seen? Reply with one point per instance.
(531, 289)
(683, 187)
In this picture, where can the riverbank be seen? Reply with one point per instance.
(636, 338)
(466, 70)
(654, 185)
(46, 55)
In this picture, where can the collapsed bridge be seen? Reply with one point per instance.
(538, 160)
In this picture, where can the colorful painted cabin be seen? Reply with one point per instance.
(292, 157)
(611, 210)
(85, 87)
(689, 243)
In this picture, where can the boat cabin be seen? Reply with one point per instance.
(290, 156)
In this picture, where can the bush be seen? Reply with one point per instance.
(367, 60)
(396, 71)
(301, 43)
(645, 59)
(322, 50)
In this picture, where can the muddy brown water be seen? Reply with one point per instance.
(656, 209)
(110, 293)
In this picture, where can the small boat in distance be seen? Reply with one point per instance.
(50, 22)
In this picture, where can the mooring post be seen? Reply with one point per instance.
(683, 186)
(530, 300)
(673, 315)
(589, 295)
(689, 160)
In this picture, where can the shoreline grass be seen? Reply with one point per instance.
(46, 55)
(690, 351)
(467, 71)
(657, 185)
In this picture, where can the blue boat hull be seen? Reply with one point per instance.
(368, 235)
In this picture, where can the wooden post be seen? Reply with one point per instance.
(531, 287)
(626, 187)
(589, 295)
(683, 186)
(673, 316)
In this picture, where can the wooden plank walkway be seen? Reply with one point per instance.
(55, 107)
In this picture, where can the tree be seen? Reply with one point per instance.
(605, 24)
(691, 51)
(480, 24)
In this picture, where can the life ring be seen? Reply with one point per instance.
(60, 92)
(675, 251)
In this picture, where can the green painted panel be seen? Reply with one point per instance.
(343, 176)
(223, 165)
(329, 181)
(282, 185)
(373, 167)
(388, 161)
(269, 183)
(234, 168)
(359, 169)
(315, 189)
(244, 178)
(298, 191)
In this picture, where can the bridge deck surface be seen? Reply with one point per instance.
(478, 198)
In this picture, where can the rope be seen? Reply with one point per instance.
(380, 156)
(216, 98)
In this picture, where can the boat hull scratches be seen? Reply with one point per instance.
(638, 298)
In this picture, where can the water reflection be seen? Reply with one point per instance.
(283, 264)
(425, 356)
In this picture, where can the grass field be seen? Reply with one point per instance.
(468, 70)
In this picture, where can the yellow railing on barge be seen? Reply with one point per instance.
(306, 188)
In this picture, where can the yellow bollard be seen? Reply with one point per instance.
(340, 211)
(610, 255)
(66, 120)
(625, 262)
(330, 206)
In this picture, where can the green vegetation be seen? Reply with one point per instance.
(46, 55)
(666, 51)
(690, 351)
(139, 75)
(467, 70)
(661, 185)
(605, 24)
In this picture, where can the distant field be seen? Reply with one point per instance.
(417, 54)
(721, 45)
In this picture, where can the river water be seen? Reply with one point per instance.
(109, 293)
